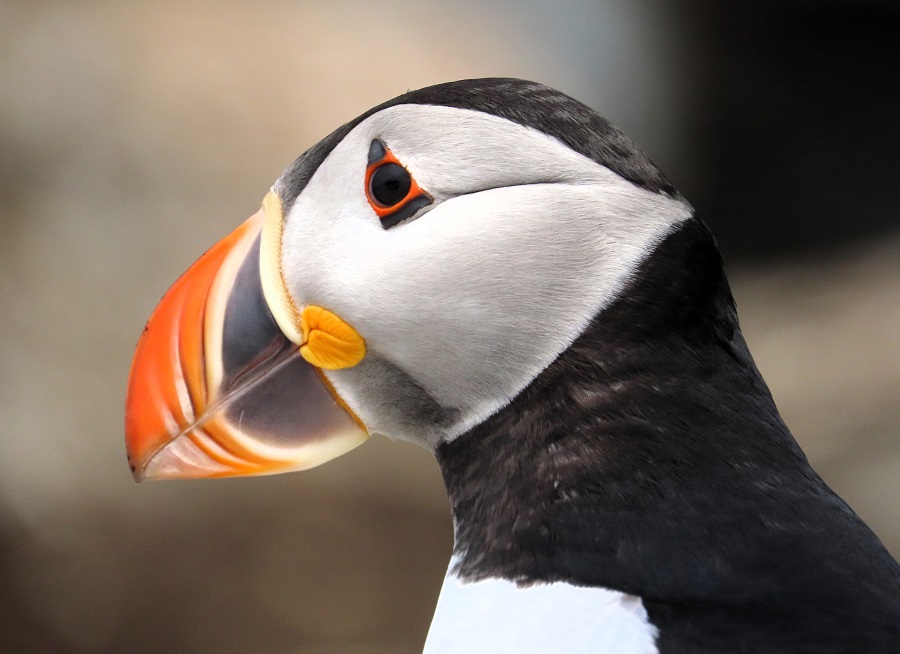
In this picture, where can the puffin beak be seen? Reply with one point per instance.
(216, 387)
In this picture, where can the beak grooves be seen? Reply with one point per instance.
(219, 386)
(168, 393)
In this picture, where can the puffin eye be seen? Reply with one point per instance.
(389, 184)
(391, 190)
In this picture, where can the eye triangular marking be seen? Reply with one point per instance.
(391, 190)
(377, 152)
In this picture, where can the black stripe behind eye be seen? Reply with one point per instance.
(408, 210)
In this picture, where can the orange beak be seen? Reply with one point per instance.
(216, 389)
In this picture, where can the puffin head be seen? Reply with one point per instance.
(409, 275)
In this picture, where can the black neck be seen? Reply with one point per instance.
(650, 458)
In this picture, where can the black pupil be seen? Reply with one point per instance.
(389, 184)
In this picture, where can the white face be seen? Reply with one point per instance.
(462, 307)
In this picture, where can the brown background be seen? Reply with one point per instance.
(134, 135)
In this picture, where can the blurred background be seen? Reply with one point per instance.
(134, 135)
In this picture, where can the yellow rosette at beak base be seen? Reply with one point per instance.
(329, 342)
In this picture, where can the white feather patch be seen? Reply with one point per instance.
(495, 615)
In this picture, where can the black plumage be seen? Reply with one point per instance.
(650, 458)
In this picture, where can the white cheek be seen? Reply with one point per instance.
(454, 152)
(485, 291)
(473, 299)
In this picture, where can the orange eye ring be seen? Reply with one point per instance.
(414, 199)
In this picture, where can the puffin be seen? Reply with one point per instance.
(489, 269)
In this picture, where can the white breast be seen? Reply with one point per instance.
(496, 616)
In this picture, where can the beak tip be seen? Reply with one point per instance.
(136, 472)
